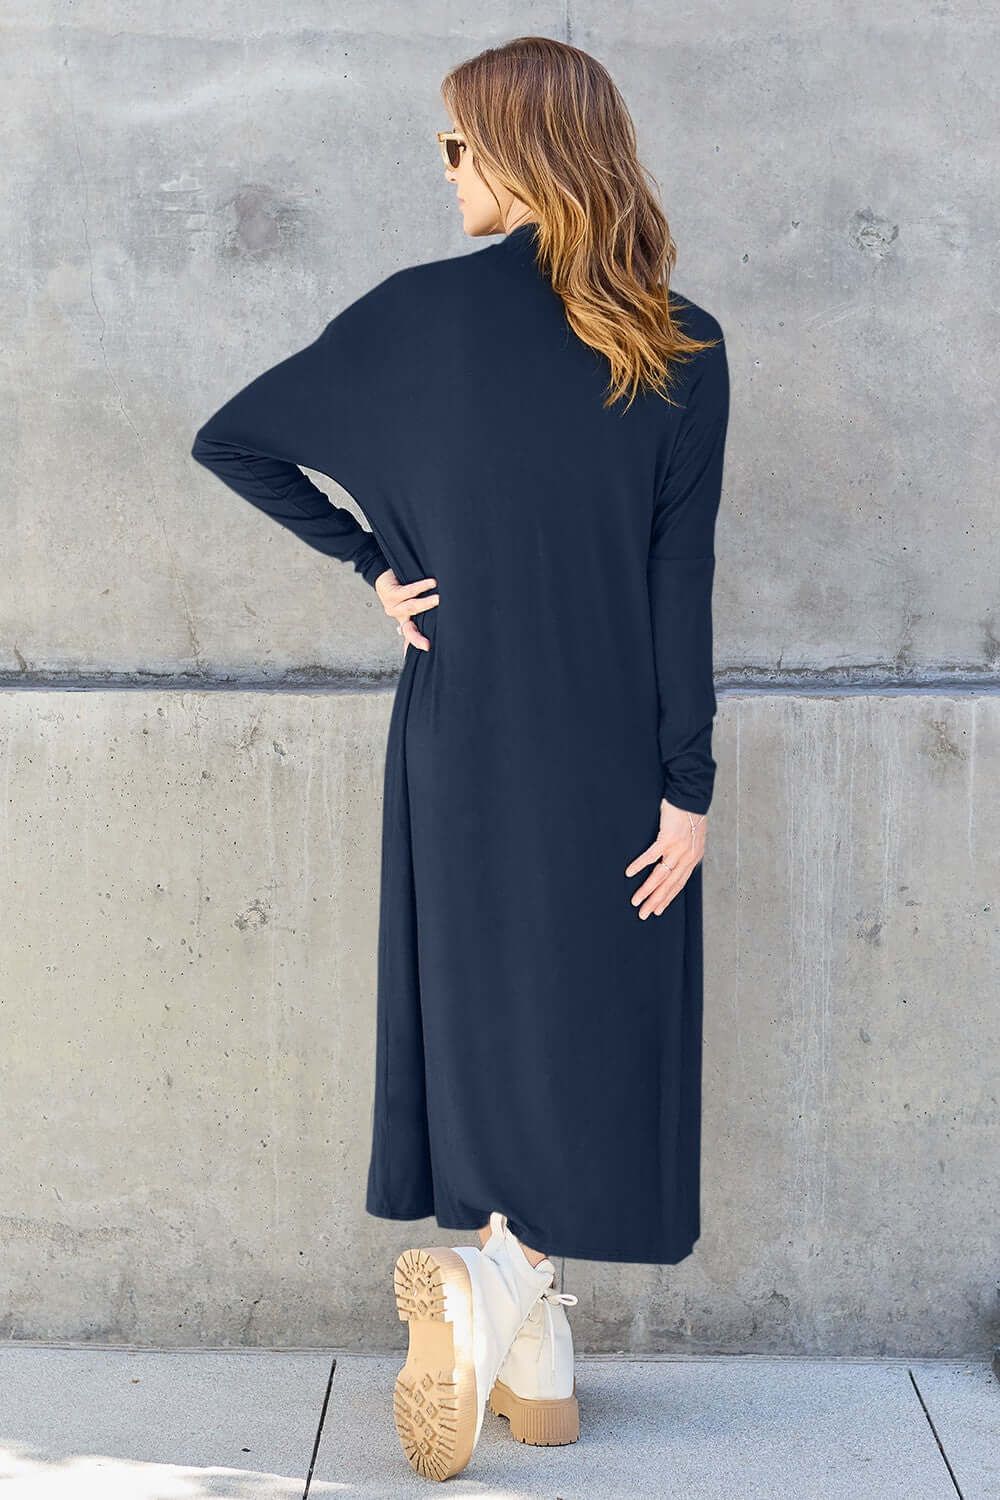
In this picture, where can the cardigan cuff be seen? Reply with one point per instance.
(372, 563)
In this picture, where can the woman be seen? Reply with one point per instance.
(535, 432)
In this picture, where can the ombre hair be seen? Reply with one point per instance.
(548, 123)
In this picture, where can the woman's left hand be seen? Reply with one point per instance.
(677, 848)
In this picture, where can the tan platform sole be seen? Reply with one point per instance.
(435, 1399)
(544, 1423)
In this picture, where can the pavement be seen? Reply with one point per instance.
(111, 1423)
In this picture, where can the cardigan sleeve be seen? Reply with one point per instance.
(304, 410)
(681, 571)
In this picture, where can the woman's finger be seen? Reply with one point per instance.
(416, 606)
(645, 858)
(670, 888)
(651, 885)
(657, 894)
(660, 847)
(414, 636)
(407, 590)
(395, 596)
(660, 899)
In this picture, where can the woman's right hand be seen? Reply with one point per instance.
(677, 848)
(401, 603)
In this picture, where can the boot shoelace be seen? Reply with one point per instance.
(549, 1296)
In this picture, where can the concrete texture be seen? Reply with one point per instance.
(961, 1404)
(677, 1429)
(188, 1062)
(97, 1424)
(194, 191)
(149, 1425)
(188, 879)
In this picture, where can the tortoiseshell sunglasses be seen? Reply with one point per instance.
(452, 145)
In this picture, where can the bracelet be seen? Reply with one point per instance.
(691, 819)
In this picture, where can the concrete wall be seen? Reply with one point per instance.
(194, 704)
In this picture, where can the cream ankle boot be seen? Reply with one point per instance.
(536, 1385)
(465, 1307)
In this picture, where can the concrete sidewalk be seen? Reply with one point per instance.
(97, 1423)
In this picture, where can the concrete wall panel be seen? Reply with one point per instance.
(188, 1029)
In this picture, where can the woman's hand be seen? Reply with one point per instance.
(401, 604)
(678, 847)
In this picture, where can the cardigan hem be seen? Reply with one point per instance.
(552, 1246)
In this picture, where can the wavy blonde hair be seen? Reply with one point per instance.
(547, 121)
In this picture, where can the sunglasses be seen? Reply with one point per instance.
(452, 145)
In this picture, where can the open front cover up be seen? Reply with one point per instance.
(538, 1046)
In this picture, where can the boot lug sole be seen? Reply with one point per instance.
(544, 1424)
(435, 1400)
